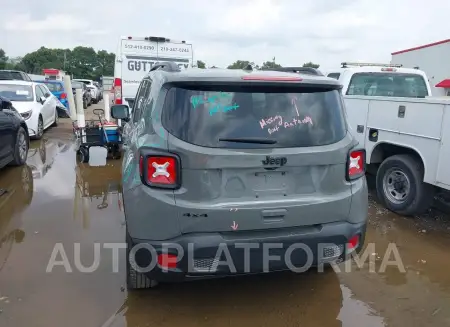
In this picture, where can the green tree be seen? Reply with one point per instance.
(311, 65)
(270, 65)
(81, 62)
(3, 59)
(241, 64)
(201, 64)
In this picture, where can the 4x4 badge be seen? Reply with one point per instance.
(279, 161)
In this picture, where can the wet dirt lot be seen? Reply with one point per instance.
(54, 200)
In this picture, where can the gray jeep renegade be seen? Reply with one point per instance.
(229, 172)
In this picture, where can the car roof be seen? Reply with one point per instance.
(236, 75)
(17, 82)
(377, 69)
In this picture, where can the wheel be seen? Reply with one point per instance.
(39, 129)
(135, 279)
(400, 185)
(21, 148)
(85, 104)
(55, 122)
(83, 154)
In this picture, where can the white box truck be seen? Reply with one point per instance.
(135, 56)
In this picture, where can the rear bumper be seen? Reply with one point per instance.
(209, 255)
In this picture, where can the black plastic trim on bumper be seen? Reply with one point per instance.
(206, 245)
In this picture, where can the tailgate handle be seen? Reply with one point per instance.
(274, 213)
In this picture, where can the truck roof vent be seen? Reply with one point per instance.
(166, 66)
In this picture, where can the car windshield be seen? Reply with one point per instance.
(388, 84)
(14, 92)
(54, 87)
(266, 118)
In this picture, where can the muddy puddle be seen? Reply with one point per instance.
(54, 202)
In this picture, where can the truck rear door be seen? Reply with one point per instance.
(140, 54)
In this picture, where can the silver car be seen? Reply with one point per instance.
(232, 172)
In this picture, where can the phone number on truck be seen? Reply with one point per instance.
(168, 49)
(143, 47)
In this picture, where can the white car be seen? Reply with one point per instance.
(36, 104)
(90, 84)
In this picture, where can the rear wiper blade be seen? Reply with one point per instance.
(256, 140)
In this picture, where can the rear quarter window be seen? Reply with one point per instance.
(297, 118)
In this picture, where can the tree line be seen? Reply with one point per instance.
(85, 62)
(80, 62)
(243, 64)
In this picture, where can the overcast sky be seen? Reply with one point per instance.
(222, 31)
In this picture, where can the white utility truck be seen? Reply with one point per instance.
(406, 133)
(135, 56)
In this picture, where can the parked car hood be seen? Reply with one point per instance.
(22, 106)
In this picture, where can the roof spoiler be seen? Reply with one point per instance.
(298, 70)
(166, 66)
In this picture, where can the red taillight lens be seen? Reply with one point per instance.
(63, 96)
(388, 69)
(356, 164)
(162, 170)
(167, 261)
(159, 170)
(117, 91)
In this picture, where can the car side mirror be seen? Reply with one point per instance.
(120, 111)
(42, 100)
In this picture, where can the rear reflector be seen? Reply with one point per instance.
(271, 78)
(159, 170)
(352, 244)
(167, 261)
(356, 164)
(117, 87)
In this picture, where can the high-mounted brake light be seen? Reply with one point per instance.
(117, 90)
(390, 69)
(356, 164)
(271, 78)
(159, 170)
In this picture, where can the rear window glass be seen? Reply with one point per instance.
(388, 84)
(77, 85)
(210, 118)
(54, 87)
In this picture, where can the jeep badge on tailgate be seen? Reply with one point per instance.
(279, 161)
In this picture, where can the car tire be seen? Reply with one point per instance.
(39, 129)
(135, 279)
(85, 104)
(55, 122)
(400, 186)
(83, 154)
(21, 148)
